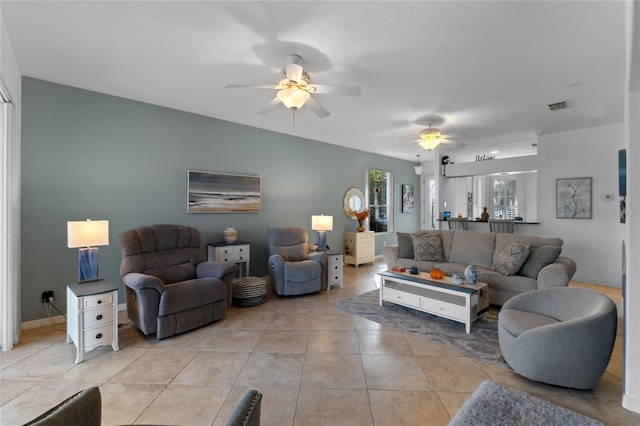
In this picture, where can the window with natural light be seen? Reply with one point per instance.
(380, 200)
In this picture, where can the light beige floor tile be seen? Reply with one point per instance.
(194, 340)
(10, 389)
(365, 324)
(296, 305)
(42, 364)
(154, 367)
(290, 321)
(185, 405)
(615, 368)
(293, 341)
(391, 408)
(612, 410)
(394, 372)
(130, 337)
(333, 407)
(233, 340)
(329, 341)
(453, 374)
(273, 370)
(424, 347)
(122, 403)
(383, 342)
(277, 408)
(39, 399)
(333, 371)
(213, 368)
(19, 352)
(100, 364)
(332, 321)
(452, 401)
(251, 319)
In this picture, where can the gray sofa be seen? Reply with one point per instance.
(170, 286)
(575, 327)
(543, 267)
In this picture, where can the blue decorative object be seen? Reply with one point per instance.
(471, 274)
(322, 240)
(88, 264)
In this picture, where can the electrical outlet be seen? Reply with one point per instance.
(47, 296)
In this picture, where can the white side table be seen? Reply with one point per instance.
(92, 316)
(335, 264)
(238, 252)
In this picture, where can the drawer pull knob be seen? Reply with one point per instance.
(99, 302)
(99, 336)
(99, 317)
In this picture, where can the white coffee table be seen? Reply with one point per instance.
(441, 297)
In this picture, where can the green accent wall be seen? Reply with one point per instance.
(91, 155)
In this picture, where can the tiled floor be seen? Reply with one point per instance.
(313, 363)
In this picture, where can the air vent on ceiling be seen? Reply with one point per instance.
(559, 105)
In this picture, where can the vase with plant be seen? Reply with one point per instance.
(362, 216)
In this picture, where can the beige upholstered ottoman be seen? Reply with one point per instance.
(249, 291)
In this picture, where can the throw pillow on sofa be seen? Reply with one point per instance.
(538, 259)
(405, 245)
(511, 259)
(427, 247)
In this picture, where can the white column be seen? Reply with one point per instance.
(631, 372)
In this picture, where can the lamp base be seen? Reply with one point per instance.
(88, 264)
(322, 240)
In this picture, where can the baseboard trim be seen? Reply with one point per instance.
(630, 403)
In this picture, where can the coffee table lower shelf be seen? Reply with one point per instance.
(461, 303)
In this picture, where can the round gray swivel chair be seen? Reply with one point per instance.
(562, 336)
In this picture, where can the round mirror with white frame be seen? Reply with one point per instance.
(353, 202)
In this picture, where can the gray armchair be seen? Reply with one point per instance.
(170, 286)
(292, 267)
(562, 336)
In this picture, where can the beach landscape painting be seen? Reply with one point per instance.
(222, 193)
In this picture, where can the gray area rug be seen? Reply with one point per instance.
(493, 404)
(481, 343)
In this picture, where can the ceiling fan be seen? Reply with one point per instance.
(431, 138)
(295, 89)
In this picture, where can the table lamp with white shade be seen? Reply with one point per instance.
(322, 224)
(86, 235)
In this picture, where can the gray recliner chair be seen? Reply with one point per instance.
(562, 336)
(170, 286)
(293, 268)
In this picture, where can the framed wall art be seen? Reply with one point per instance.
(573, 198)
(407, 198)
(223, 193)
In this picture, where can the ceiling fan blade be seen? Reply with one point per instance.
(294, 72)
(250, 86)
(337, 90)
(270, 106)
(317, 108)
(454, 143)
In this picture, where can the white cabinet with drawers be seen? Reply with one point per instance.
(238, 252)
(334, 270)
(92, 316)
(360, 247)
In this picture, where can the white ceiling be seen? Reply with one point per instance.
(484, 71)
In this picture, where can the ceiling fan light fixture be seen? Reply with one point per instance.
(429, 144)
(293, 97)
